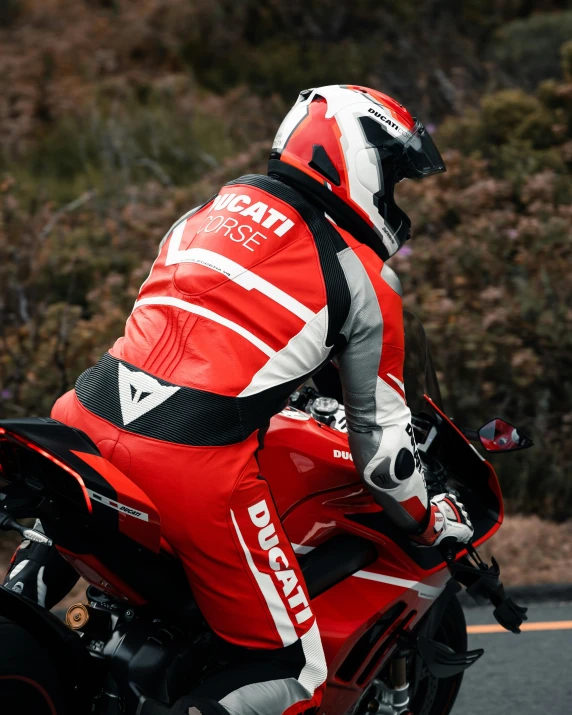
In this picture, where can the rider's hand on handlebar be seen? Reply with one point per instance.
(448, 520)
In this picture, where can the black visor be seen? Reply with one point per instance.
(422, 158)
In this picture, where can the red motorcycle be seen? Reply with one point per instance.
(393, 630)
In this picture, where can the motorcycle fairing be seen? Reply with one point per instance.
(67, 463)
(137, 515)
(320, 464)
(303, 457)
(320, 498)
(23, 457)
(474, 477)
(51, 462)
(96, 573)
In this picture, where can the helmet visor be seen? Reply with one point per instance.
(422, 156)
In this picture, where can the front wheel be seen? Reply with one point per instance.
(28, 680)
(428, 695)
(436, 696)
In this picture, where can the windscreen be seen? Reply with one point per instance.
(419, 373)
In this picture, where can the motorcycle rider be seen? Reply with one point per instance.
(250, 295)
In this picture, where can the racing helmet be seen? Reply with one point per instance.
(346, 147)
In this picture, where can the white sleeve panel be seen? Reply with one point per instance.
(379, 421)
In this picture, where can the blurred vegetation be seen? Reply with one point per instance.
(489, 273)
(117, 116)
(527, 48)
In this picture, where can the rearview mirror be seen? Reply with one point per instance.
(500, 436)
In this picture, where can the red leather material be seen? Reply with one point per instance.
(199, 494)
(194, 351)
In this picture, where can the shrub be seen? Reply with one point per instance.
(494, 292)
(108, 135)
(110, 145)
(9, 12)
(502, 113)
(527, 49)
(566, 57)
(519, 134)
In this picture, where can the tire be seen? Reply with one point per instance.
(435, 696)
(28, 680)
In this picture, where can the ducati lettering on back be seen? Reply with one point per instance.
(268, 540)
(241, 229)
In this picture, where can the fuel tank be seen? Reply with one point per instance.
(302, 458)
(323, 504)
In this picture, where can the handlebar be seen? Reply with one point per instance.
(450, 547)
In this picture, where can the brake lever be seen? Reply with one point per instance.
(510, 615)
(483, 584)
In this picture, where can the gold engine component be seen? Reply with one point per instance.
(77, 616)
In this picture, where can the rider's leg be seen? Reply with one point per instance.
(221, 519)
(243, 571)
(249, 587)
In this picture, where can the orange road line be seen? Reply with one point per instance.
(545, 626)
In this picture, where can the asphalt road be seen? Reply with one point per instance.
(526, 674)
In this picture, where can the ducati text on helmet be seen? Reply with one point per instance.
(346, 147)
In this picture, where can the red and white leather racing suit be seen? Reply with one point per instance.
(250, 294)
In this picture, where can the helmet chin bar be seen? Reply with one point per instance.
(395, 218)
(344, 216)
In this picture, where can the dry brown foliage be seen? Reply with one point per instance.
(110, 129)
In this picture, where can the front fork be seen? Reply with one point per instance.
(484, 585)
(391, 699)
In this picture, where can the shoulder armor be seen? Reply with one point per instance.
(390, 277)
